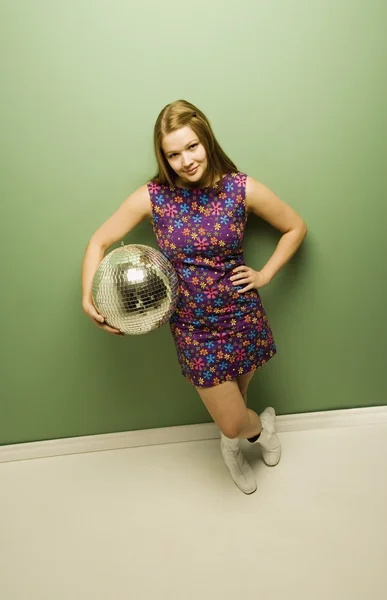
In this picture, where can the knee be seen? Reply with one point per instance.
(232, 430)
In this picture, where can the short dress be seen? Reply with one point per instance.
(219, 334)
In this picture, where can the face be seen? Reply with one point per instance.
(186, 156)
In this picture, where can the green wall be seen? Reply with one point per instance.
(296, 93)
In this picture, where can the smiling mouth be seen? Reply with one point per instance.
(192, 171)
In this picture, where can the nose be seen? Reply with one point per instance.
(186, 160)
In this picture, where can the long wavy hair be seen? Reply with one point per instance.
(179, 114)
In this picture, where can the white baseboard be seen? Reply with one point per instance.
(185, 433)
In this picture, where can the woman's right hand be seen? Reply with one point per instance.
(98, 319)
(132, 211)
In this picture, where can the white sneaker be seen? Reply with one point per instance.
(269, 442)
(239, 468)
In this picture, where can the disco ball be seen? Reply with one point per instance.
(135, 289)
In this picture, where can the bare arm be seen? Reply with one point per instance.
(265, 204)
(132, 211)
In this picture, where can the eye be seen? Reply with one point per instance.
(191, 147)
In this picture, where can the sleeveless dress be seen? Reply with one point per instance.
(219, 334)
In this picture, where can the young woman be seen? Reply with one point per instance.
(198, 204)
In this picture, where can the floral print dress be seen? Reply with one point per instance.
(219, 334)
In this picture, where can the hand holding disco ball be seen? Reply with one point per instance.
(135, 289)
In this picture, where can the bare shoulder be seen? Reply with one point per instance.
(257, 194)
(139, 201)
(134, 209)
(264, 203)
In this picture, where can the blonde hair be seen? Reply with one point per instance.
(179, 114)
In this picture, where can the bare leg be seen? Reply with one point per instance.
(226, 404)
(227, 407)
(243, 383)
(270, 444)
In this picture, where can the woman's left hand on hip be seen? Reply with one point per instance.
(245, 275)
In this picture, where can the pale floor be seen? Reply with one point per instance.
(167, 522)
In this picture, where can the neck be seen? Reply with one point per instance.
(203, 182)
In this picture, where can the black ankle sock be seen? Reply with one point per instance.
(253, 439)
